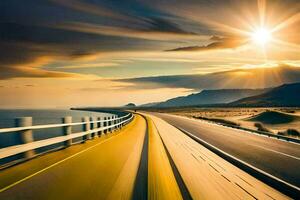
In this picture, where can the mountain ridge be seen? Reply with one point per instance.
(205, 97)
(287, 94)
(284, 95)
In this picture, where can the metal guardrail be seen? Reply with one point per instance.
(14, 129)
(95, 127)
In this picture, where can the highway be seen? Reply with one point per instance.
(147, 159)
(103, 168)
(205, 174)
(278, 158)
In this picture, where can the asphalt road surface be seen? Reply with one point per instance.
(103, 168)
(149, 159)
(278, 158)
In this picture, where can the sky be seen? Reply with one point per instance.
(70, 53)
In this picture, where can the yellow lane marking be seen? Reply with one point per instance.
(54, 164)
(57, 163)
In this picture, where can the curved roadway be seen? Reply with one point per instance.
(278, 158)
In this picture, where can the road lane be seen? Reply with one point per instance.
(105, 169)
(278, 158)
(161, 180)
(206, 175)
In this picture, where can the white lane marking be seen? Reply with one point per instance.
(241, 161)
(294, 157)
(54, 164)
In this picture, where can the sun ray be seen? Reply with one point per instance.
(293, 46)
(262, 11)
(229, 28)
(291, 20)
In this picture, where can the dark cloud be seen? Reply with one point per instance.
(32, 72)
(219, 43)
(241, 78)
(92, 8)
(127, 17)
(28, 31)
(73, 29)
(24, 45)
(164, 25)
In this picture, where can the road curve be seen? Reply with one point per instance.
(278, 158)
(150, 152)
(207, 175)
(103, 168)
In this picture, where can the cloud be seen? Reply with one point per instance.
(94, 9)
(239, 78)
(89, 65)
(32, 72)
(127, 16)
(127, 22)
(35, 46)
(25, 60)
(158, 29)
(43, 34)
(218, 43)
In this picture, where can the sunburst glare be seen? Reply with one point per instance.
(261, 36)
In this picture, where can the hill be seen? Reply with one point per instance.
(273, 117)
(130, 105)
(206, 97)
(284, 95)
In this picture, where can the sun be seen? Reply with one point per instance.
(261, 36)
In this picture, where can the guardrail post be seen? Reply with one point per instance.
(26, 135)
(104, 125)
(109, 123)
(86, 127)
(113, 122)
(123, 119)
(120, 126)
(67, 129)
(119, 121)
(116, 122)
(93, 126)
(99, 126)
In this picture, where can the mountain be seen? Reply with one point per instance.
(130, 105)
(206, 97)
(284, 95)
(273, 117)
(150, 104)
